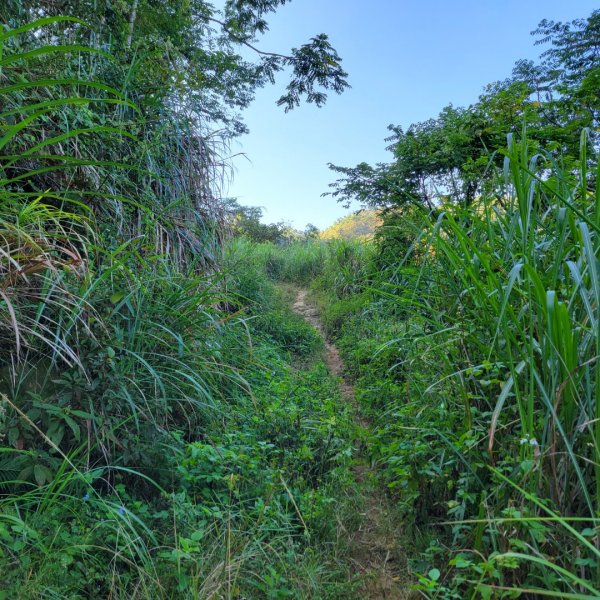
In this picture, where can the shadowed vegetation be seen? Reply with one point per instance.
(156, 440)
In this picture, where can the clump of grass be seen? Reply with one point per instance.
(155, 440)
(521, 291)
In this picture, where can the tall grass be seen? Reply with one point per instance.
(509, 294)
(155, 441)
(107, 317)
(340, 265)
(473, 335)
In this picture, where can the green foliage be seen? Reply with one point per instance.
(247, 265)
(147, 449)
(450, 158)
(566, 79)
(298, 262)
(202, 44)
(449, 153)
(474, 353)
(245, 221)
(343, 267)
(157, 438)
(475, 345)
(178, 466)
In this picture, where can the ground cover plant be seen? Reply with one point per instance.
(476, 357)
(474, 337)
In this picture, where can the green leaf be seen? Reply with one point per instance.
(117, 297)
(41, 474)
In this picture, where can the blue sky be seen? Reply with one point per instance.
(406, 60)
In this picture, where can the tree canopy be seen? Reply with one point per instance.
(189, 54)
(446, 158)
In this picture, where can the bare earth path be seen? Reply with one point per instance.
(375, 554)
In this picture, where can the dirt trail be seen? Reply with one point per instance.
(332, 355)
(374, 550)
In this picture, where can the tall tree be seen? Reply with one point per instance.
(190, 52)
(565, 84)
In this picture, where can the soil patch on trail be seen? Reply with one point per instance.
(374, 545)
(333, 359)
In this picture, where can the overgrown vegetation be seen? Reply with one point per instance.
(476, 358)
(211, 469)
(470, 328)
(167, 426)
(156, 439)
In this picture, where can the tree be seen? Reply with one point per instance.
(311, 232)
(447, 158)
(187, 53)
(566, 83)
(246, 221)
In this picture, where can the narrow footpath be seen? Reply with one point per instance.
(374, 546)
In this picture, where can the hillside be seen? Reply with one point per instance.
(356, 226)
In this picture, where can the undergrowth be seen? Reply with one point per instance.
(156, 440)
(156, 437)
(472, 338)
(234, 490)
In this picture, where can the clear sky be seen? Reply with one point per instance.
(406, 60)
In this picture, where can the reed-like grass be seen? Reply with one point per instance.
(476, 348)
(508, 298)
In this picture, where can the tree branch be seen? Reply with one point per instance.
(246, 43)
